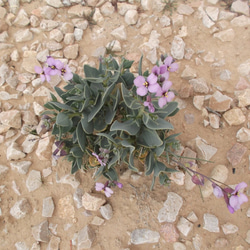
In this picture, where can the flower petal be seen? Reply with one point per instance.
(234, 202)
(231, 210)
(152, 79)
(173, 67)
(142, 91)
(38, 70)
(153, 88)
(218, 192)
(170, 96)
(162, 101)
(166, 86)
(168, 60)
(139, 80)
(242, 198)
(241, 185)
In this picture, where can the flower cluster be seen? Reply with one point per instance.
(105, 188)
(55, 67)
(157, 84)
(233, 197)
(102, 157)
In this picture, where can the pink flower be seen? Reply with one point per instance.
(108, 191)
(149, 104)
(104, 188)
(198, 179)
(171, 66)
(99, 186)
(118, 184)
(99, 158)
(44, 73)
(64, 71)
(53, 66)
(143, 86)
(166, 95)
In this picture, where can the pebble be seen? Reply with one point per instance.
(225, 75)
(184, 226)
(143, 236)
(221, 243)
(240, 7)
(171, 208)
(120, 33)
(70, 179)
(214, 121)
(22, 167)
(78, 197)
(240, 21)
(92, 202)
(236, 153)
(178, 48)
(48, 207)
(34, 181)
(44, 148)
(20, 209)
(199, 85)
(41, 232)
(234, 117)
(211, 223)
(54, 243)
(14, 152)
(212, 13)
(188, 73)
(185, 9)
(106, 211)
(219, 102)
(243, 135)
(97, 221)
(169, 232)
(85, 238)
(229, 228)
(21, 245)
(65, 207)
(131, 17)
(225, 35)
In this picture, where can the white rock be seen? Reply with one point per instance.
(225, 35)
(241, 7)
(244, 68)
(20, 209)
(29, 143)
(119, 33)
(131, 17)
(184, 226)
(21, 245)
(107, 9)
(23, 36)
(11, 118)
(114, 46)
(147, 4)
(192, 217)
(142, 236)
(212, 12)
(86, 237)
(211, 223)
(55, 3)
(243, 135)
(14, 152)
(229, 228)
(179, 246)
(248, 237)
(70, 180)
(165, 21)
(106, 211)
(15, 188)
(44, 148)
(178, 48)
(22, 167)
(48, 207)
(241, 21)
(185, 9)
(33, 180)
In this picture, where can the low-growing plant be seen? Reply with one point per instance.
(110, 117)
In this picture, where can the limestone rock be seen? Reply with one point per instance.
(243, 135)
(211, 223)
(54, 243)
(86, 237)
(11, 118)
(241, 21)
(214, 121)
(199, 85)
(66, 207)
(21, 245)
(179, 246)
(143, 236)
(188, 73)
(241, 7)
(30, 143)
(234, 117)
(22, 19)
(48, 207)
(78, 197)
(14, 152)
(131, 17)
(20, 209)
(212, 12)
(171, 208)
(3, 170)
(44, 148)
(23, 36)
(244, 68)
(70, 180)
(236, 153)
(56, 35)
(169, 232)
(107, 9)
(106, 211)
(48, 12)
(225, 35)
(48, 25)
(114, 46)
(40, 231)
(219, 102)
(198, 101)
(97, 221)
(22, 167)
(185, 9)
(178, 48)
(119, 33)
(71, 51)
(92, 202)
(229, 228)
(34, 180)
(184, 226)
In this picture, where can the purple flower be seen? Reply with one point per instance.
(236, 199)
(53, 66)
(99, 186)
(166, 95)
(149, 104)
(143, 86)
(118, 184)
(100, 159)
(108, 191)
(198, 179)
(171, 65)
(104, 188)
(64, 71)
(217, 191)
(44, 73)
(60, 149)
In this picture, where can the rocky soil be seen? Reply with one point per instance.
(42, 206)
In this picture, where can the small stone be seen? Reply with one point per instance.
(234, 117)
(21, 246)
(11, 118)
(177, 20)
(229, 228)
(14, 152)
(86, 237)
(179, 246)
(53, 45)
(92, 202)
(55, 3)
(22, 167)
(220, 173)
(119, 33)
(56, 35)
(178, 48)
(165, 21)
(30, 143)
(34, 180)
(241, 21)
(211, 223)
(41, 232)
(23, 36)
(3, 170)
(146, 29)
(48, 12)
(188, 73)
(48, 207)
(212, 12)
(143, 236)
(199, 85)
(244, 68)
(44, 148)
(106, 211)
(178, 178)
(214, 121)
(171, 208)
(48, 25)
(71, 51)
(185, 9)
(54, 243)
(221, 243)
(97, 221)
(225, 35)
(78, 197)
(107, 9)
(169, 232)
(236, 153)
(78, 33)
(219, 102)
(66, 207)
(70, 180)
(243, 98)
(192, 217)
(131, 17)
(225, 75)
(198, 101)
(243, 135)
(184, 226)
(20, 209)
(114, 46)
(240, 7)
(242, 84)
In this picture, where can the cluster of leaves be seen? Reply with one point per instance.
(103, 111)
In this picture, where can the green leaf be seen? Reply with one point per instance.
(114, 159)
(87, 126)
(130, 126)
(109, 114)
(63, 120)
(150, 163)
(167, 110)
(76, 165)
(111, 174)
(109, 137)
(140, 66)
(77, 152)
(96, 108)
(163, 178)
(128, 79)
(53, 97)
(127, 64)
(149, 138)
(99, 171)
(81, 136)
(61, 106)
(92, 74)
(129, 99)
(117, 99)
(48, 112)
(59, 91)
(126, 144)
(157, 123)
(99, 124)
